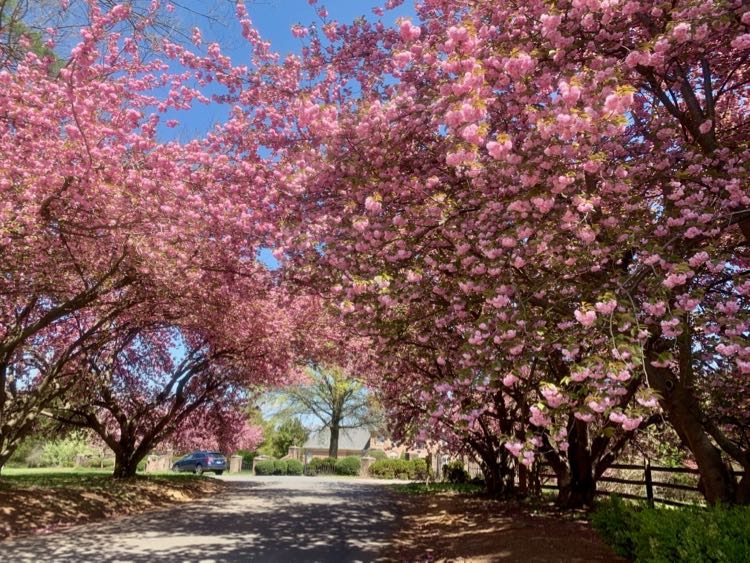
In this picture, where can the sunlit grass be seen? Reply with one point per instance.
(432, 488)
(77, 477)
(13, 471)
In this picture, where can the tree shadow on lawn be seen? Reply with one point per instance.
(45, 502)
(339, 523)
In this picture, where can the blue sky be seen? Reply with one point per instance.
(273, 19)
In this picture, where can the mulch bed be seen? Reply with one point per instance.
(456, 527)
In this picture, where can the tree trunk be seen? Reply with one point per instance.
(127, 458)
(493, 476)
(523, 480)
(529, 483)
(125, 467)
(493, 481)
(577, 487)
(575, 493)
(333, 447)
(683, 411)
(498, 474)
(743, 491)
(5, 452)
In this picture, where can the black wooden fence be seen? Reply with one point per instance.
(320, 466)
(652, 478)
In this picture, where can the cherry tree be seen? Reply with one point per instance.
(99, 219)
(560, 181)
(218, 428)
(181, 383)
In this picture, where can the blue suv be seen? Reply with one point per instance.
(200, 462)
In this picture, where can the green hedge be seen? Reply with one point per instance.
(420, 469)
(348, 466)
(264, 467)
(278, 467)
(685, 534)
(294, 467)
(399, 469)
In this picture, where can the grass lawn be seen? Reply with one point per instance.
(432, 488)
(39, 500)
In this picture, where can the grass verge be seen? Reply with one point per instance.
(434, 488)
(34, 501)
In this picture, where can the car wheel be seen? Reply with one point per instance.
(199, 469)
(220, 472)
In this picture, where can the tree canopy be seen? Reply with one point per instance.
(524, 226)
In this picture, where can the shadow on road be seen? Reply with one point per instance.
(331, 521)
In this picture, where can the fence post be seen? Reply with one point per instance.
(649, 483)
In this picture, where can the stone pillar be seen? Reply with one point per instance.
(366, 462)
(152, 463)
(295, 452)
(235, 464)
(158, 463)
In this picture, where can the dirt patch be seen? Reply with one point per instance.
(453, 527)
(35, 506)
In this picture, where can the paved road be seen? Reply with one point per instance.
(285, 519)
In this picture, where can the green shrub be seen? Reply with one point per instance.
(28, 453)
(615, 522)
(348, 466)
(264, 467)
(141, 465)
(377, 454)
(279, 467)
(420, 471)
(294, 467)
(399, 469)
(383, 469)
(686, 534)
(62, 452)
(454, 472)
(35, 457)
(402, 468)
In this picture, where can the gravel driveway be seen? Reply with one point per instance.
(284, 519)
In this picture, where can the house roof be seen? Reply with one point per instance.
(349, 439)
